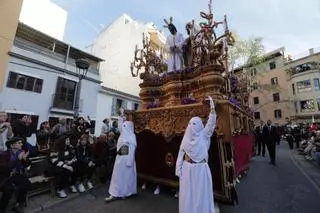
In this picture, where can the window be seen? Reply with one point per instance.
(118, 105)
(274, 81)
(253, 72)
(65, 94)
(318, 103)
(14, 118)
(277, 114)
(272, 65)
(256, 100)
(257, 115)
(304, 86)
(316, 84)
(296, 106)
(276, 97)
(307, 106)
(293, 89)
(24, 82)
(136, 106)
(255, 85)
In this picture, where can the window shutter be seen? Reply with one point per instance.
(114, 106)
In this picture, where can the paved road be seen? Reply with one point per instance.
(281, 189)
(267, 189)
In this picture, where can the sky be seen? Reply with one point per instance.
(289, 23)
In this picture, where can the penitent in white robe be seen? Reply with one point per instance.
(196, 187)
(124, 176)
(175, 60)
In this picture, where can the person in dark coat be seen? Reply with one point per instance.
(85, 163)
(259, 139)
(22, 129)
(269, 137)
(62, 166)
(43, 137)
(13, 179)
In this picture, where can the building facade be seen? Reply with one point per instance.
(116, 45)
(41, 79)
(304, 81)
(270, 96)
(109, 103)
(9, 18)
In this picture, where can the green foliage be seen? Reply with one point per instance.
(245, 53)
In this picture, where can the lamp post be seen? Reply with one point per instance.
(82, 67)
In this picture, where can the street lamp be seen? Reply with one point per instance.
(82, 67)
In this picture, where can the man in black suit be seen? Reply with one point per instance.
(259, 139)
(269, 137)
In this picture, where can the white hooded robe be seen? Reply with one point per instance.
(196, 187)
(124, 176)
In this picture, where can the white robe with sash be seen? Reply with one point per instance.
(175, 60)
(196, 187)
(124, 176)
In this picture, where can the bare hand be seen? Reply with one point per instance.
(21, 155)
(25, 156)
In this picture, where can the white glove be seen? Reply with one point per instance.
(68, 168)
(91, 164)
(212, 105)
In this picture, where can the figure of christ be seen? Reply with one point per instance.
(174, 45)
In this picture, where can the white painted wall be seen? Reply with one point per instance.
(104, 107)
(44, 16)
(39, 104)
(116, 45)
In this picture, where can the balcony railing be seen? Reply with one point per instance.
(305, 67)
(65, 102)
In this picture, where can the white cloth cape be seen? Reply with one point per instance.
(196, 188)
(177, 56)
(124, 176)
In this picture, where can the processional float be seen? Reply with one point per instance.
(170, 100)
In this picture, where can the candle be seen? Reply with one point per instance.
(225, 24)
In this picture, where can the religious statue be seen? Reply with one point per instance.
(192, 31)
(174, 44)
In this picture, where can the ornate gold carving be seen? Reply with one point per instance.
(168, 121)
(146, 59)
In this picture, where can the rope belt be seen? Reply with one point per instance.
(189, 160)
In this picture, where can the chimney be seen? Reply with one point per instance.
(311, 51)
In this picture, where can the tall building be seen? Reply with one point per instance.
(282, 87)
(270, 97)
(41, 78)
(116, 45)
(9, 18)
(45, 16)
(304, 81)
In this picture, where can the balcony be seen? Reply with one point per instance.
(64, 102)
(303, 68)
